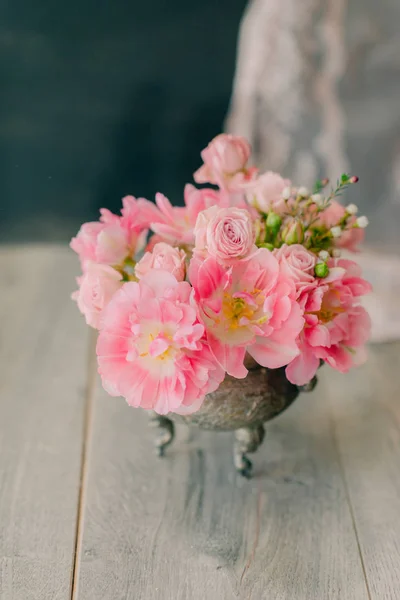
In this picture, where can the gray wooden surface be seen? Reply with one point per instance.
(88, 512)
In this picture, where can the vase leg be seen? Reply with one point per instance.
(165, 434)
(308, 387)
(247, 440)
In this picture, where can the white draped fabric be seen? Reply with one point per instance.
(317, 92)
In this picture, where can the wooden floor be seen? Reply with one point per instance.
(88, 512)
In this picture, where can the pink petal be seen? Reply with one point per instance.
(230, 358)
(303, 368)
(318, 336)
(270, 353)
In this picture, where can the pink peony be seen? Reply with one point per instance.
(225, 160)
(96, 288)
(336, 327)
(265, 193)
(113, 238)
(165, 257)
(175, 224)
(297, 263)
(151, 348)
(227, 234)
(249, 307)
(350, 238)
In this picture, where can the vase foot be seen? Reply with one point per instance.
(308, 387)
(248, 440)
(165, 435)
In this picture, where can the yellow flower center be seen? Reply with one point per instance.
(330, 307)
(236, 309)
(168, 353)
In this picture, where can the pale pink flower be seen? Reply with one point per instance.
(151, 348)
(351, 237)
(114, 238)
(175, 224)
(297, 263)
(249, 307)
(227, 234)
(265, 193)
(336, 327)
(165, 257)
(225, 163)
(97, 286)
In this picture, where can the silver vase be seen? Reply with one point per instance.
(239, 405)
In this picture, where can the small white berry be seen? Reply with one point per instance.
(352, 209)
(317, 199)
(286, 193)
(336, 253)
(323, 255)
(336, 231)
(303, 192)
(362, 222)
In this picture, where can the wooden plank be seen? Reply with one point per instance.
(366, 405)
(185, 527)
(43, 356)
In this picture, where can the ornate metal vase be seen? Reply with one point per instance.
(239, 405)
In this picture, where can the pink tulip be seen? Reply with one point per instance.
(114, 238)
(249, 307)
(151, 348)
(175, 224)
(336, 327)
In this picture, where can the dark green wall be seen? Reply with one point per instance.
(100, 99)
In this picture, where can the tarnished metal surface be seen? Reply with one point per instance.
(242, 405)
(248, 402)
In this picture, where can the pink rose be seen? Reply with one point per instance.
(96, 288)
(225, 160)
(297, 263)
(266, 192)
(226, 233)
(175, 224)
(163, 256)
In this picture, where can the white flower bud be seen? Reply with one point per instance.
(352, 209)
(286, 193)
(362, 222)
(336, 253)
(336, 231)
(323, 255)
(303, 192)
(317, 199)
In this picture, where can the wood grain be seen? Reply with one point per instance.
(185, 527)
(366, 406)
(320, 520)
(43, 355)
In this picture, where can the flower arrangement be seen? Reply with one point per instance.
(251, 266)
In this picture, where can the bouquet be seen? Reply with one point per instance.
(250, 264)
